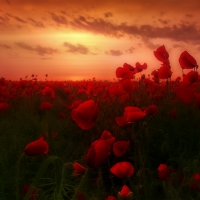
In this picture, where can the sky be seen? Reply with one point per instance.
(82, 39)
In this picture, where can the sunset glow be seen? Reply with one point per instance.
(73, 40)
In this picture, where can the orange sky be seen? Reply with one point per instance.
(82, 39)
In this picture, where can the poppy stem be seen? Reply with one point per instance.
(18, 193)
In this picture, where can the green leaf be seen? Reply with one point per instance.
(40, 173)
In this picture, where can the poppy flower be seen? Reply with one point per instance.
(78, 169)
(161, 54)
(131, 115)
(125, 193)
(151, 110)
(33, 195)
(184, 93)
(140, 67)
(99, 150)
(46, 105)
(110, 198)
(173, 114)
(120, 147)
(3, 107)
(2, 81)
(127, 85)
(126, 65)
(187, 61)
(163, 172)
(47, 91)
(195, 182)
(85, 114)
(122, 169)
(164, 72)
(80, 196)
(61, 115)
(37, 147)
(191, 77)
(124, 72)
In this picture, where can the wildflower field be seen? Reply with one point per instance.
(102, 140)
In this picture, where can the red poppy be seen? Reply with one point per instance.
(191, 77)
(164, 72)
(110, 198)
(47, 91)
(122, 169)
(99, 150)
(125, 193)
(46, 105)
(140, 67)
(151, 110)
(120, 147)
(80, 196)
(173, 114)
(2, 81)
(161, 54)
(187, 61)
(131, 115)
(61, 115)
(78, 169)
(127, 85)
(195, 182)
(126, 65)
(124, 72)
(163, 172)
(3, 107)
(33, 195)
(37, 147)
(184, 93)
(85, 114)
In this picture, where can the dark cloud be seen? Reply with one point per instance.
(114, 52)
(39, 49)
(181, 31)
(130, 50)
(96, 25)
(59, 19)
(4, 19)
(79, 48)
(108, 14)
(36, 23)
(162, 21)
(189, 15)
(17, 18)
(5, 46)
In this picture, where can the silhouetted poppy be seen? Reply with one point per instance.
(187, 61)
(122, 169)
(140, 67)
(37, 147)
(163, 172)
(85, 114)
(128, 66)
(120, 147)
(161, 54)
(164, 72)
